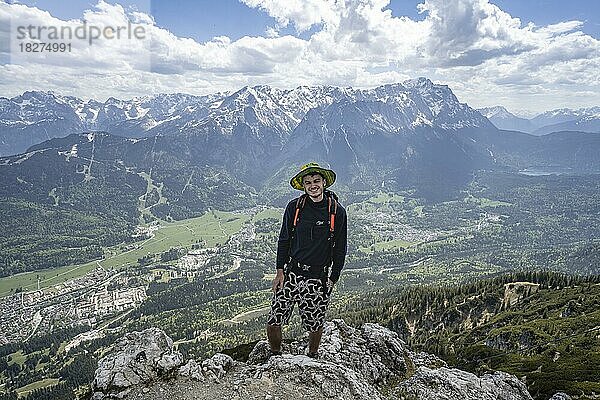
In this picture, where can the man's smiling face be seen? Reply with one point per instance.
(314, 186)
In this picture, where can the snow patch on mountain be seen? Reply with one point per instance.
(496, 112)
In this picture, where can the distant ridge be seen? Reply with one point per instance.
(564, 119)
(503, 119)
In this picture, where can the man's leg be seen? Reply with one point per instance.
(274, 336)
(282, 305)
(314, 340)
(313, 307)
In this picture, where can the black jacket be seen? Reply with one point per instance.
(310, 245)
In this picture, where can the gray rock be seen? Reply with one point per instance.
(560, 396)
(138, 357)
(192, 370)
(169, 362)
(260, 353)
(423, 359)
(218, 364)
(292, 374)
(212, 369)
(366, 363)
(374, 352)
(451, 384)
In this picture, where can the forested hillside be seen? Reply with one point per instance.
(547, 335)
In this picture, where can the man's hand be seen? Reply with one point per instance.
(278, 281)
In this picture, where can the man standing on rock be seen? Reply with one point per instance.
(310, 256)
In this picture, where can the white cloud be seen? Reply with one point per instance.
(272, 32)
(142, 18)
(561, 27)
(468, 32)
(303, 14)
(482, 52)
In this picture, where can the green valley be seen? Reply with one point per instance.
(434, 272)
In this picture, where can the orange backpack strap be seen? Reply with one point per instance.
(332, 212)
(332, 208)
(299, 205)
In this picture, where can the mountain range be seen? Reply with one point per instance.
(563, 119)
(35, 116)
(176, 156)
(270, 113)
(404, 136)
(255, 130)
(410, 134)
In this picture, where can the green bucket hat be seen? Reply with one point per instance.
(310, 169)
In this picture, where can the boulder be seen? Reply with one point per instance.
(450, 384)
(299, 376)
(213, 368)
(192, 370)
(137, 358)
(374, 352)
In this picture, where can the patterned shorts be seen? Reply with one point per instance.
(308, 293)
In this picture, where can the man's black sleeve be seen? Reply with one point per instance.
(341, 244)
(283, 244)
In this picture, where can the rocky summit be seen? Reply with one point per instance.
(138, 357)
(370, 362)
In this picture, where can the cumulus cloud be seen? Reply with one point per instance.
(303, 14)
(468, 32)
(478, 49)
(272, 32)
(30, 26)
(561, 27)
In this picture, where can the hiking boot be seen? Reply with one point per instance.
(314, 356)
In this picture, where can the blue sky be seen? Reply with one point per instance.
(478, 48)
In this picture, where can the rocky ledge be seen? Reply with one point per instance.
(366, 363)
